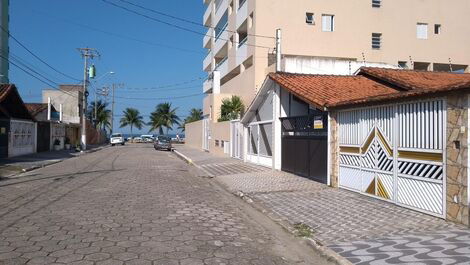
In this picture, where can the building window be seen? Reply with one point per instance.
(437, 29)
(328, 23)
(422, 66)
(376, 3)
(403, 64)
(376, 41)
(422, 31)
(309, 19)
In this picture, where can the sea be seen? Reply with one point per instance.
(172, 135)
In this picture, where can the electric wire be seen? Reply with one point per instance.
(189, 21)
(174, 25)
(162, 98)
(35, 56)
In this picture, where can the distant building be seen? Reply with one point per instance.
(4, 46)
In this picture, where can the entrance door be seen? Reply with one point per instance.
(4, 129)
(44, 136)
(304, 146)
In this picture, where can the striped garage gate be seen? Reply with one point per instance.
(395, 152)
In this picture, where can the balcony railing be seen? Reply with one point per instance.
(219, 64)
(241, 3)
(242, 42)
(224, 27)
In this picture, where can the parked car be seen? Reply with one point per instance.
(147, 138)
(163, 143)
(116, 138)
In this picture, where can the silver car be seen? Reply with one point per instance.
(162, 143)
(116, 138)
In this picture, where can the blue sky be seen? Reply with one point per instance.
(53, 29)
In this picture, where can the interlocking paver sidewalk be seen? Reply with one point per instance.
(362, 229)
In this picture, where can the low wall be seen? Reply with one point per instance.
(193, 134)
(220, 132)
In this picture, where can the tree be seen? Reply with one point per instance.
(163, 117)
(132, 118)
(103, 115)
(194, 115)
(231, 109)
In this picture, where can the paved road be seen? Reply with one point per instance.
(134, 205)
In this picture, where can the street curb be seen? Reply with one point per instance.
(324, 251)
(29, 169)
(191, 162)
(316, 245)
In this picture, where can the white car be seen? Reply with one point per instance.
(116, 138)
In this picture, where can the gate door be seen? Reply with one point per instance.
(304, 146)
(4, 129)
(44, 136)
(396, 153)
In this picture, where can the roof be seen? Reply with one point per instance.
(412, 79)
(369, 85)
(11, 104)
(327, 90)
(35, 108)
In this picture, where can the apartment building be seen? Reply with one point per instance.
(322, 36)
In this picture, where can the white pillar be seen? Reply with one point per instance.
(277, 128)
(246, 135)
(49, 109)
(60, 112)
(216, 82)
(278, 50)
(328, 150)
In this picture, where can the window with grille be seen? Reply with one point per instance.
(376, 3)
(437, 29)
(376, 41)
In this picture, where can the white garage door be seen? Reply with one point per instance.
(22, 138)
(396, 153)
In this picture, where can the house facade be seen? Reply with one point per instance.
(17, 126)
(396, 135)
(315, 36)
(50, 128)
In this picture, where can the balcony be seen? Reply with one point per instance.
(242, 51)
(220, 40)
(207, 41)
(242, 13)
(222, 67)
(207, 86)
(220, 9)
(208, 15)
(207, 64)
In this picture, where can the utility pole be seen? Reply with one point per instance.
(114, 86)
(278, 50)
(87, 53)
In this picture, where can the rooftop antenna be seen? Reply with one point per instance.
(450, 65)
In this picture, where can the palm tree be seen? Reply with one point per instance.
(103, 115)
(163, 117)
(231, 109)
(132, 118)
(194, 115)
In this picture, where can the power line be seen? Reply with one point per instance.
(189, 21)
(173, 25)
(163, 98)
(149, 90)
(35, 56)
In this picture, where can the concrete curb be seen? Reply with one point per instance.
(316, 245)
(191, 162)
(56, 161)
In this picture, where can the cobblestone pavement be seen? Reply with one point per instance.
(362, 229)
(132, 205)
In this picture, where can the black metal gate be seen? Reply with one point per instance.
(44, 136)
(4, 131)
(304, 146)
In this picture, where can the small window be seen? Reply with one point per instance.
(376, 3)
(437, 29)
(403, 64)
(422, 31)
(376, 41)
(309, 19)
(328, 23)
